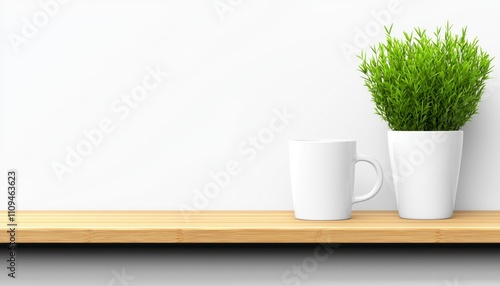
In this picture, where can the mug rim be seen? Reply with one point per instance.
(322, 141)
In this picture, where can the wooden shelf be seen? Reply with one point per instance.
(246, 227)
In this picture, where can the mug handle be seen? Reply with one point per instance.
(379, 174)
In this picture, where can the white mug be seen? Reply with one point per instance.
(322, 174)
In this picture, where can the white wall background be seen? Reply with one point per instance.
(230, 69)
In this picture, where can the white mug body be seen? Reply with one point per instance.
(322, 173)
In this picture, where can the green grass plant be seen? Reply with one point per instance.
(426, 83)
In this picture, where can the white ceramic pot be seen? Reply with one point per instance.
(425, 169)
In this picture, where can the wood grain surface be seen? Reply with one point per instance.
(245, 227)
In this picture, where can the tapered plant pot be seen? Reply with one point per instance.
(425, 169)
